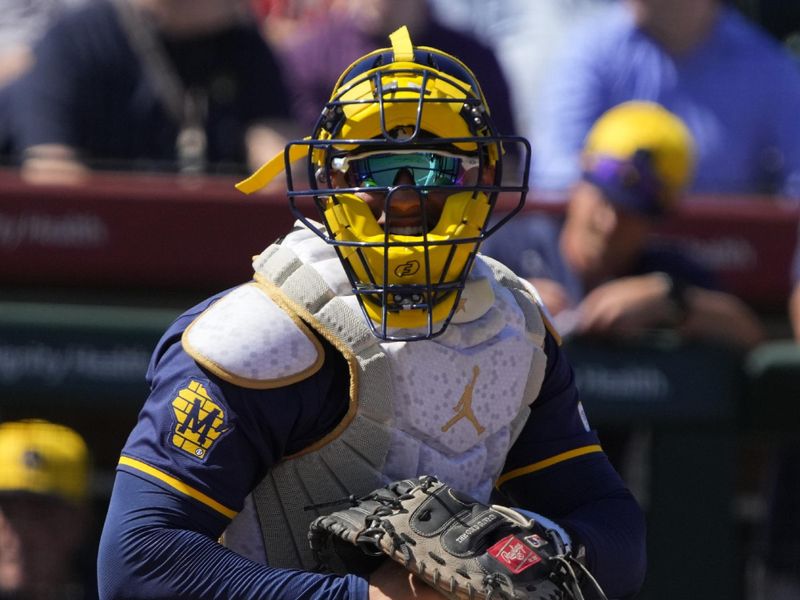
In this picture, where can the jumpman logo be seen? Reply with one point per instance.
(464, 407)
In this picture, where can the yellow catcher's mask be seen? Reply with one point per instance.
(420, 112)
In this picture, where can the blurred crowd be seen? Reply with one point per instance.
(46, 525)
(631, 107)
(211, 86)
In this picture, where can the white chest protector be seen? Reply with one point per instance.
(451, 406)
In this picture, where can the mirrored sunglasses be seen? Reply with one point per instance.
(381, 169)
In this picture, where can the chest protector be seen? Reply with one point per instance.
(450, 407)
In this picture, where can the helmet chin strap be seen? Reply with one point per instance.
(272, 168)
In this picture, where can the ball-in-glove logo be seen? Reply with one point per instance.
(199, 421)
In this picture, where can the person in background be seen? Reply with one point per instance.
(352, 27)
(733, 85)
(22, 24)
(175, 85)
(44, 511)
(524, 35)
(286, 21)
(598, 271)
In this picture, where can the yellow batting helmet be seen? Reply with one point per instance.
(43, 458)
(641, 154)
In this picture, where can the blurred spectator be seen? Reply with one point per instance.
(44, 472)
(354, 27)
(599, 272)
(22, 24)
(285, 21)
(184, 85)
(733, 85)
(524, 35)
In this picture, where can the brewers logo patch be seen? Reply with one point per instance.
(199, 421)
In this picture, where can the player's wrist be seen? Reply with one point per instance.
(564, 536)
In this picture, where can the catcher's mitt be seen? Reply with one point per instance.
(464, 549)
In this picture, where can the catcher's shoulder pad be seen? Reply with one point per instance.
(537, 317)
(246, 338)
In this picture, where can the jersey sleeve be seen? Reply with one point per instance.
(46, 98)
(211, 440)
(196, 438)
(199, 447)
(155, 544)
(557, 468)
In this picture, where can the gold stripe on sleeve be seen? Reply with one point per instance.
(177, 485)
(547, 462)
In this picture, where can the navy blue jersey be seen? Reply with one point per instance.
(201, 444)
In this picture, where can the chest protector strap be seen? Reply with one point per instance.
(350, 459)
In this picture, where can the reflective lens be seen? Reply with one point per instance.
(381, 169)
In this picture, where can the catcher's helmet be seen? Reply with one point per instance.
(419, 112)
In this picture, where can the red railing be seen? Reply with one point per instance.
(144, 231)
